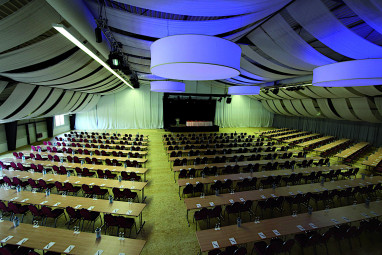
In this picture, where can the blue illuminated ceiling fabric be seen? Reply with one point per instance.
(317, 19)
(244, 90)
(195, 57)
(159, 28)
(168, 86)
(281, 32)
(367, 11)
(207, 8)
(366, 72)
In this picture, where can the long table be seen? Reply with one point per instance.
(331, 145)
(287, 225)
(374, 159)
(83, 242)
(59, 148)
(81, 166)
(59, 201)
(194, 203)
(111, 145)
(258, 175)
(282, 137)
(314, 141)
(350, 151)
(231, 148)
(300, 138)
(78, 181)
(99, 157)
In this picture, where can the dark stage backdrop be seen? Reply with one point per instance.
(190, 109)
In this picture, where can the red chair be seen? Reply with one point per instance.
(33, 184)
(126, 223)
(74, 215)
(70, 188)
(109, 174)
(86, 173)
(59, 187)
(43, 185)
(54, 214)
(134, 176)
(18, 182)
(129, 194)
(36, 213)
(110, 221)
(87, 191)
(38, 157)
(18, 209)
(90, 216)
(4, 209)
(98, 191)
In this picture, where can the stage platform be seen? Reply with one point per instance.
(184, 128)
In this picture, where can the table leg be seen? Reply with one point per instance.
(187, 218)
(179, 194)
(144, 177)
(174, 177)
(141, 224)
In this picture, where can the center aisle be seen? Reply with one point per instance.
(166, 230)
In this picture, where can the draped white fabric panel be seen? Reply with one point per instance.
(78, 103)
(136, 51)
(133, 42)
(16, 99)
(3, 85)
(342, 108)
(320, 91)
(242, 112)
(267, 76)
(158, 28)
(140, 61)
(266, 106)
(35, 53)
(102, 88)
(300, 108)
(281, 108)
(378, 104)
(325, 109)
(283, 95)
(266, 44)
(33, 104)
(309, 93)
(367, 11)
(280, 31)
(294, 94)
(317, 19)
(310, 108)
(273, 107)
(368, 90)
(91, 104)
(61, 105)
(27, 23)
(77, 75)
(72, 102)
(251, 75)
(87, 100)
(362, 108)
(207, 8)
(246, 50)
(290, 108)
(47, 104)
(343, 92)
(90, 80)
(129, 109)
(63, 68)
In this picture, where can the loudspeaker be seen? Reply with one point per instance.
(98, 34)
(229, 100)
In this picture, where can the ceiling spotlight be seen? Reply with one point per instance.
(98, 34)
(220, 99)
(115, 60)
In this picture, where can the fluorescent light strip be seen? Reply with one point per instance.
(62, 29)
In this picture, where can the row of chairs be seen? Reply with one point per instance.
(107, 140)
(205, 135)
(319, 144)
(357, 154)
(335, 149)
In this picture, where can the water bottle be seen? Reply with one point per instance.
(363, 176)
(98, 233)
(238, 222)
(39, 150)
(16, 222)
(310, 210)
(216, 192)
(322, 181)
(119, 178)
(91, 153)
(23, 158)
(128, 155)
(110, 199)
(82, 162)
(273, 186)
(73, 152)
(54, 144)
(68, 174)
(125, 165)
(47, 192)
(44, 171)
(99, 147)
(61, 160)
(18, 188)
(203, 176)
(367, 202)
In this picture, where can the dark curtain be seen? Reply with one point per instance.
(185, 110)
(50, 126)
(358, 131)
(72, 120)
(11, 134)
